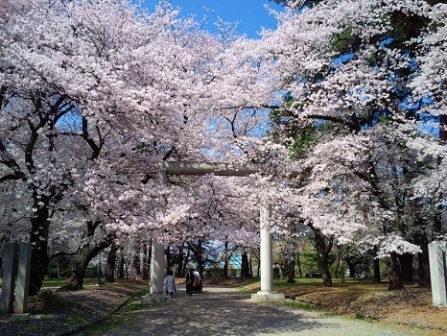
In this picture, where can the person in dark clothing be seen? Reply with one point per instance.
(190, 282)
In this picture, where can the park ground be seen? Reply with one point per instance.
(62, 313)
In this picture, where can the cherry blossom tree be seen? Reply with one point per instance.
(351, 70)
(128, 78)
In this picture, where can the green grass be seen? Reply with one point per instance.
(63, 282)
(54, 282)
(299, 305)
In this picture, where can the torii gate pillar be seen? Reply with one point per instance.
(157, 268)
(266, 293)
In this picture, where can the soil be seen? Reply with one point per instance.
(411, 307)
(58, 313)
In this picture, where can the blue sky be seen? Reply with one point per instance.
(250, 14)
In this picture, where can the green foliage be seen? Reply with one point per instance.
(385, 120)
(304, 141)
(426, 165)
(91, 272)
(63, 264)
(299, 138)
(309, 263)
(344, 41)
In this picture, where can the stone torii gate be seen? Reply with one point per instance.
(157, 262)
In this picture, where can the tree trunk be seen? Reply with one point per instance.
(186, 261)
(250, 266)
(421, 239)
(110, 265)
(376, 267)
(58, 267)
(325, 272)
(86, 253)
(394, 273)
(351, 267)
(298, 261)
(121, 262)
(180, 257)
(291, 271)
(199, 257)
(323, 250)
(424, 267)
(168, 258)
(135, 273)
(245, 273)
(145, 271)
(225, 270)
(39, 253)
(337, 263)
(407, 270)
(226, 261)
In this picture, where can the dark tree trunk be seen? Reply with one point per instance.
(135, 273)
(145, 271)
(121, 262)
(351, 267)
(245, 273)
(110, 265)
(337, 263)
(407, 270)
(85, 254)
(186, 261)
(225, 265)
(291, 271)
(250, 266)
(298, 261)
(443, 127)
(39, 253)
(324, 247)
(325, 272)
(421, 239)
(376, 267)
(225, 269)
(180, 257)
(197, 250)
(168, 258)
(394, 273)
(424, 267)
(58, 268)
(199, 258)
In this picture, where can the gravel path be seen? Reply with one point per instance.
(226, 311)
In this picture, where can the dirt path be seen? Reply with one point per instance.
(226, 311)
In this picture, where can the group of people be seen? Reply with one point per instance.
(170, 287)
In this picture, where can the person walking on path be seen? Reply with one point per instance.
(170, 284)
(190, 282)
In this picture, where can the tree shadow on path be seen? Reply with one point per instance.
(218, 311)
